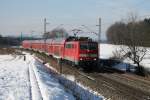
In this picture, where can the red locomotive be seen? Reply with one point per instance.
(78, 51)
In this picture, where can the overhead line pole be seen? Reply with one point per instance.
(99, 33)
(45, 23)
(99, 39)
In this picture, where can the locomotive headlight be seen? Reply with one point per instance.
(81, 59)
(95, 59)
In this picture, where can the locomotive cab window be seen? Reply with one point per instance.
(88, 46)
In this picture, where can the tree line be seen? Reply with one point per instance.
(12, 41)
(137, 32)
(9, 41)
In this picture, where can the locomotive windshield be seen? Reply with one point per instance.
(88, 46)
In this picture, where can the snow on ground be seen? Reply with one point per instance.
(146, 60)
(106, 52)
(28, 80)
(50, 88)
(14, 80)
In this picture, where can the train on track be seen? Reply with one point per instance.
(78, 51)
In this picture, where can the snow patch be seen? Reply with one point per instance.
(70, 77)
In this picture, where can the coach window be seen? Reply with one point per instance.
(68, 45)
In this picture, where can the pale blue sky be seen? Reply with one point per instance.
(26, 15)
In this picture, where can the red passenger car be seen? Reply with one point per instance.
(26, 44)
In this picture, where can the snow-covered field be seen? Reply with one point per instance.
(107, 50)
(27, 80)
(14, 79)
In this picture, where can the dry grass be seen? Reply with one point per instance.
(7, 51)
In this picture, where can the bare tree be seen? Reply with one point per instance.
(129, 36)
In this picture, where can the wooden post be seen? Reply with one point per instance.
(60, 65)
